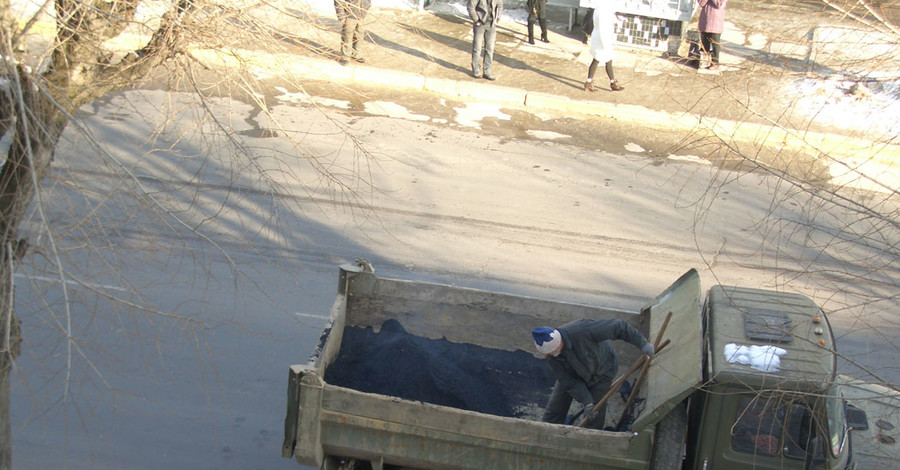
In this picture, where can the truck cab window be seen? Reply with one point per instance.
(800, 430)
(758, 426)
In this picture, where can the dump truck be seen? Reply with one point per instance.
(417, 375)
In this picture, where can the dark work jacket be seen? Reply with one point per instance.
(587, 356)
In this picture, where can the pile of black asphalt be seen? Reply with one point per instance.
(395, 363)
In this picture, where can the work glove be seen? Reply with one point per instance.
(648, 350)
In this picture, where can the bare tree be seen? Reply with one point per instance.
(46, 87)
(844, 247)
(69, 53)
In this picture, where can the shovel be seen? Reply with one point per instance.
(642, 361)
(618, 383)
(640, 379)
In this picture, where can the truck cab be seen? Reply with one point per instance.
(769, 398)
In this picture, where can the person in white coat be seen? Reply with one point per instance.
(603, 37)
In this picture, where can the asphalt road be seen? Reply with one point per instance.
(234, 272)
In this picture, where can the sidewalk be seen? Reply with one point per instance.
(748, 101)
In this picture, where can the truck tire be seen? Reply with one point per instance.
(668, 451)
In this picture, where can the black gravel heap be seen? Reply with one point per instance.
(398, 364)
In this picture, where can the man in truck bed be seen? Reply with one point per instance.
(584, 364)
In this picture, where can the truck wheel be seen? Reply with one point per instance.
(668, 453)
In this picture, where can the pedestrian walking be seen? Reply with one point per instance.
(537, 11)
(711, 25)
(351, 14)
(584, 364)
(485, 15)
(603, 37)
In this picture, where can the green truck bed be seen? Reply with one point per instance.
(326, 422)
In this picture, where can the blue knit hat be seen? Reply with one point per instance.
(546, 339)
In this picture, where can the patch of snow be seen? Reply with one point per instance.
(848, 104)
(300, 97)
(633, 147)
(766, 358)
(393, 110)
(547, 135)
(471, 114)
(689, 158)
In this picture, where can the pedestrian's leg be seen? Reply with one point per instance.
(598, 390)
(592, 69)
(490, 37)
(714, 46)
(359, 34)
(557, 406)
(532, 17)
(705, 43)
(543, 20)
(347, 29)
(613, 83)
(477, 46)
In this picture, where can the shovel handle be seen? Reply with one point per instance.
(640, 380)
(618, 383)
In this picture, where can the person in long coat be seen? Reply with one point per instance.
(537, 11)
(712, 24)
(485, 15)
(603, 37)
(584, 363)
(351, 14)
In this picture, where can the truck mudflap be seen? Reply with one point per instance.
(676, 371)
(875, 448)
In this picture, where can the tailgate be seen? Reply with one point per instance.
(677, 371)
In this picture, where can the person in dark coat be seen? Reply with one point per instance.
(537, 11)
(351, 14)
(584, 363)
(485, 15)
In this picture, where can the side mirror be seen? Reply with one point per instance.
(857, 420)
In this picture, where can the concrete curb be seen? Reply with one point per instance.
(850, 149)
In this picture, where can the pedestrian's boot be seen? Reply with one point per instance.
(589, 86)
(530, 33)
(544, 30)
(614, 86)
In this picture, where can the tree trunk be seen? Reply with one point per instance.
(35, 133)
